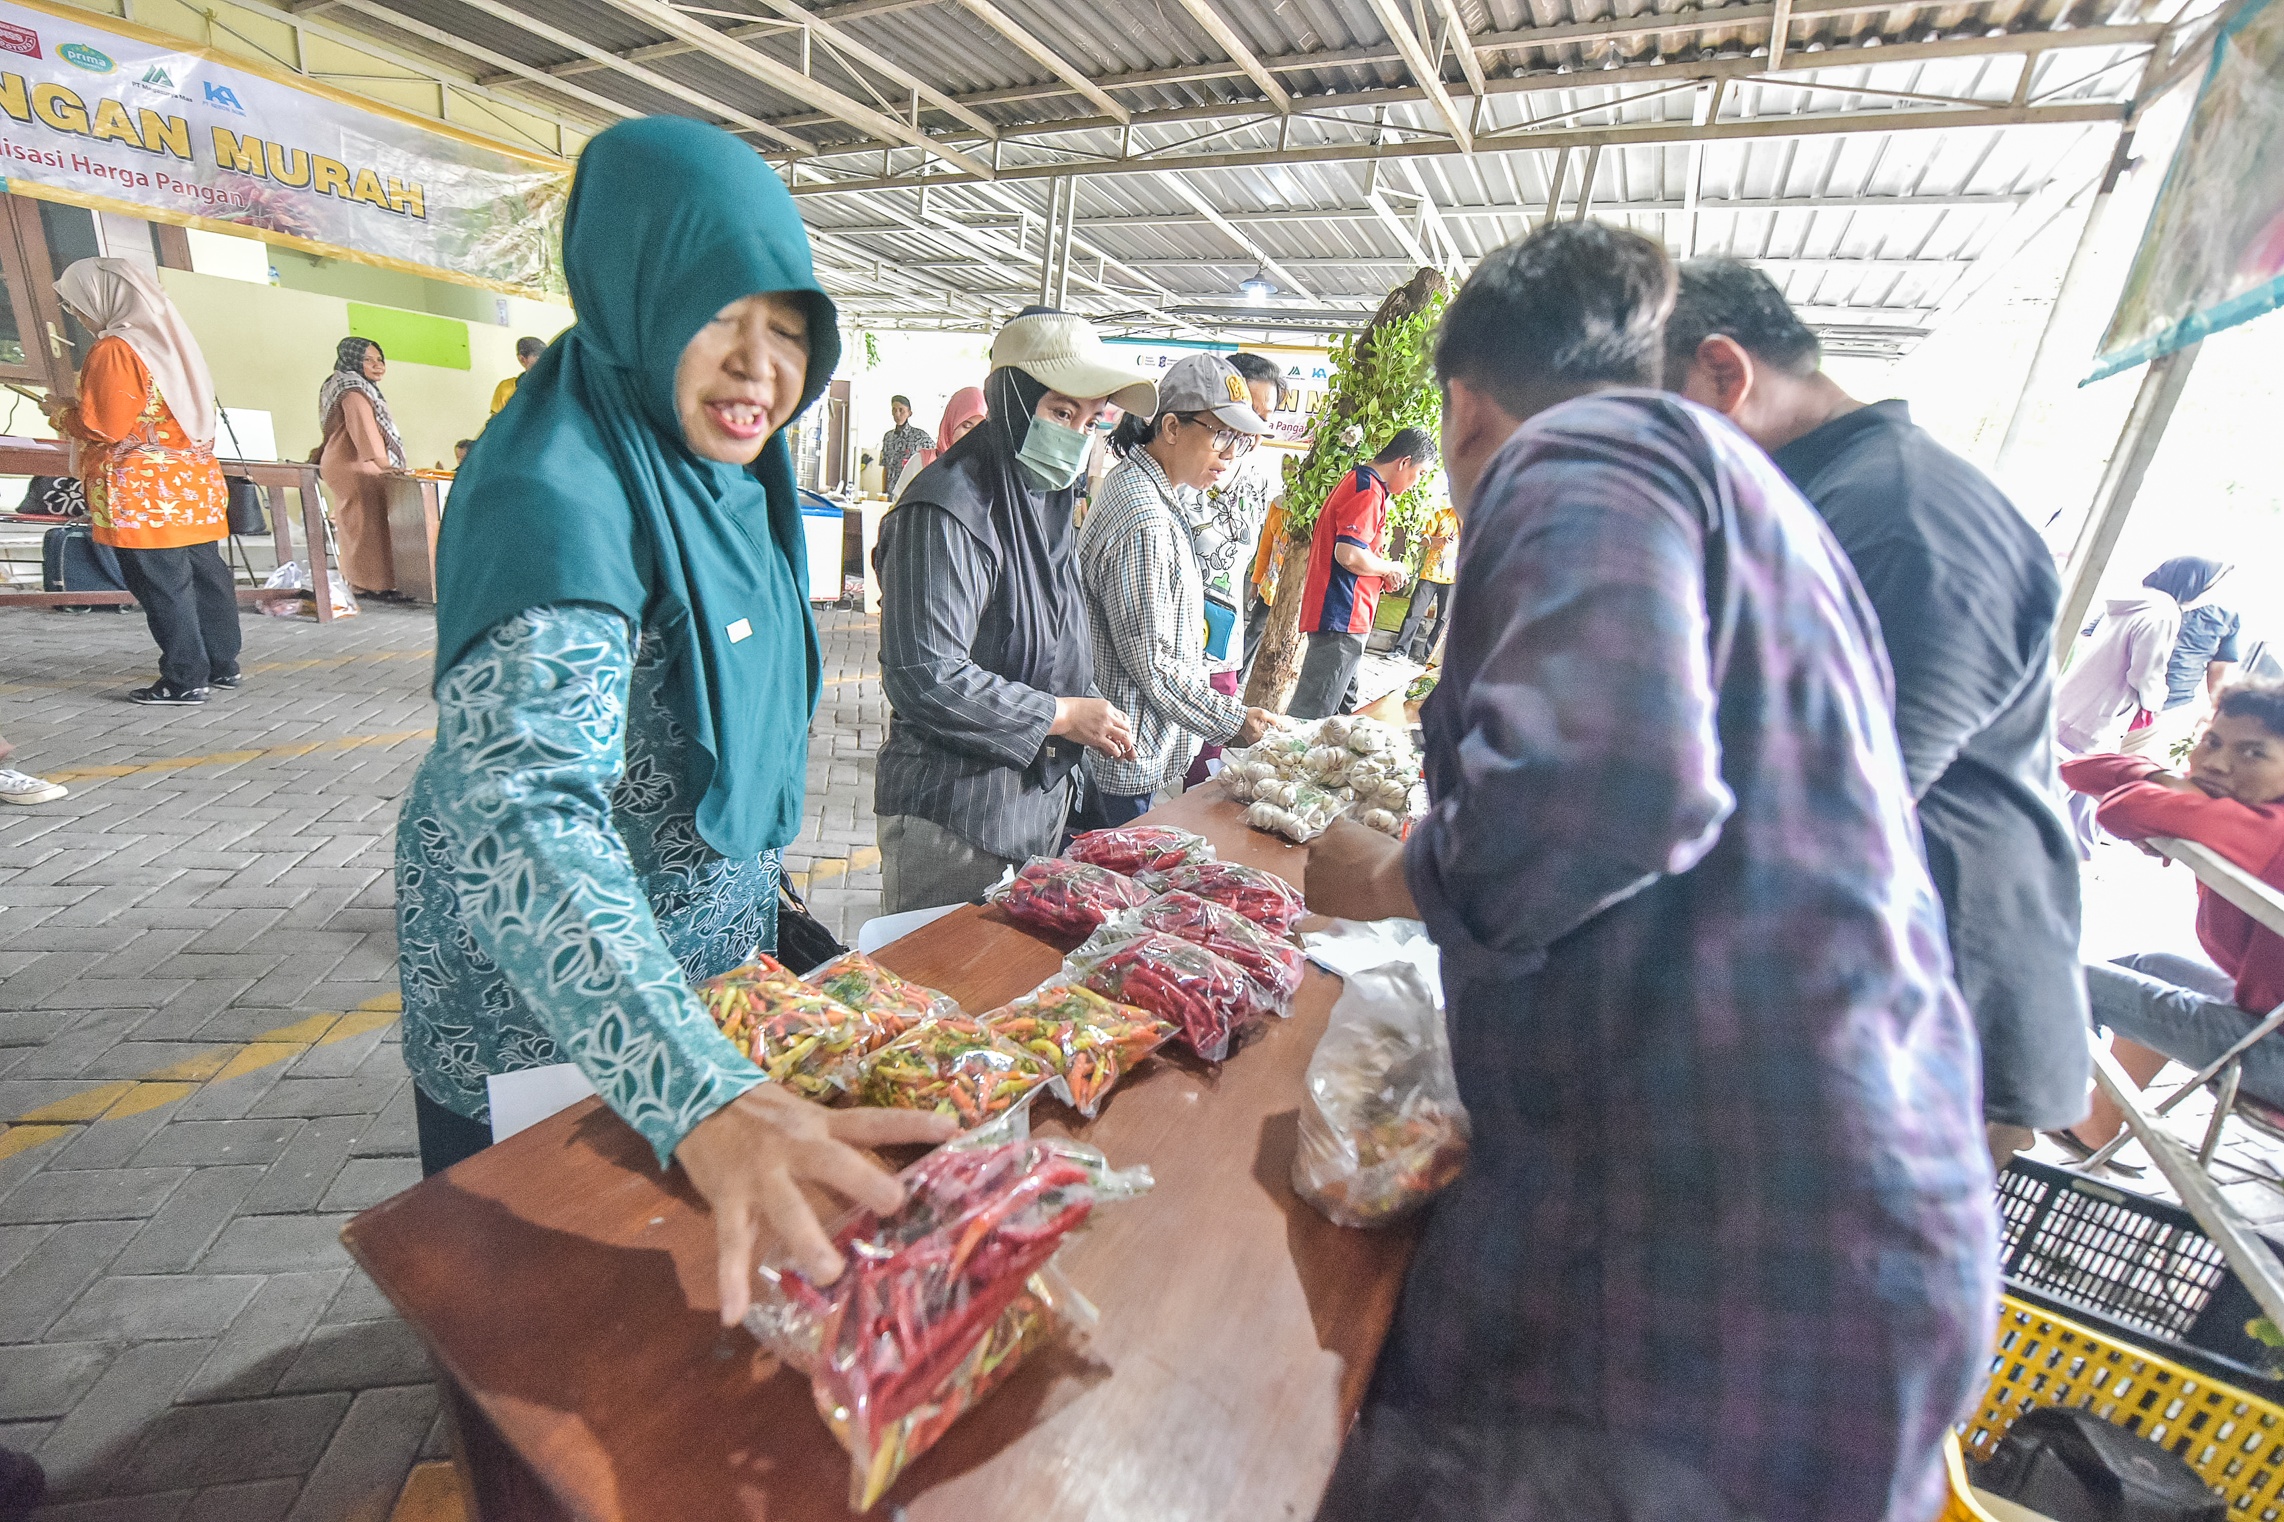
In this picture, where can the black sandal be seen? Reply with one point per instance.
(2068, 1141)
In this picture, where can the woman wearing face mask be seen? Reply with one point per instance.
(983, 635)
(623, 701)
(1145, 597)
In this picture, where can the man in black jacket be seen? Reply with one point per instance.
(1966, 595)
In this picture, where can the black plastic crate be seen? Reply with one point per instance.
(2143, 1266)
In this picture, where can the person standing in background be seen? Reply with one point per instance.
(1225, 534)
(1347, 568)
(527, 352)
(360, 450)
(901, 445)
(146, 418)
(962, 413)
(1431, 599)
(2204, 655)
(1966, 593)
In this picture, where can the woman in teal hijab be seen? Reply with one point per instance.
(625, 670)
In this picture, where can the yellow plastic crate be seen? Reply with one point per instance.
(2232, 1438)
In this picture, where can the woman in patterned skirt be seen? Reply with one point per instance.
(145, 422)
(625, 670)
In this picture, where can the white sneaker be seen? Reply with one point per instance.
(23, 787)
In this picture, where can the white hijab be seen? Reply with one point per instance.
(126, 302)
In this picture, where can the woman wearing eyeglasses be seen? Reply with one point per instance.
(1145, 597)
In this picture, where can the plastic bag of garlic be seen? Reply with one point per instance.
(1295, 782)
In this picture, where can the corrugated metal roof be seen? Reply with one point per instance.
(1867, 215)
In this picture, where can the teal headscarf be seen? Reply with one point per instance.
(582, 491)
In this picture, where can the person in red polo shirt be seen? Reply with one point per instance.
(1347, 570)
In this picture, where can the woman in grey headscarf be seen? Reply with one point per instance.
(360, 451)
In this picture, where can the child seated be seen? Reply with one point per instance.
(2161, 1006)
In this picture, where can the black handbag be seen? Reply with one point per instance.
(803, 942)
(54, 497)
(2071, 1465)
(247, 513)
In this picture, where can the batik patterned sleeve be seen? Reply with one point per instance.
(1587, 761)
(531, 734)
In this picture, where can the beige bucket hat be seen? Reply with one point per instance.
(1063, 352)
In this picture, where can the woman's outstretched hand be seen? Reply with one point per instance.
(750, 1158)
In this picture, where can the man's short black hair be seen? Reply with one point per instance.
(1408, 444)
(1252, 367)
(2261, 702)
(900, 401)
(1577, 304)
(1730, 297)
(530, 348)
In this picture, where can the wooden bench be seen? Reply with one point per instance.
(276, 476)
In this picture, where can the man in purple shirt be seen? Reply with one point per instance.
(1725, 1245)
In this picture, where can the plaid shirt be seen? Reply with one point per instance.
(1145, 608)
(1729, 1193)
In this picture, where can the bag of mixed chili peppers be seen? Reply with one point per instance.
(1262, 897)
(955, 1067)
(940, 1302)
(861, 983)
(1090, 1042)
(1173, 979)
(1064, 897)
(1383, 1127)
(1273, 964)
(1140, 848)
(799, 1035)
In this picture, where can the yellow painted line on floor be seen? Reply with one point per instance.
(122, 1097)
(431, 1494)
(258, 668)
(233, 757)
(856, 861)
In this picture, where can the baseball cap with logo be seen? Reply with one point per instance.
(1063, 353)
(1209, 383)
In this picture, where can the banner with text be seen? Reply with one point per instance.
(94, 109)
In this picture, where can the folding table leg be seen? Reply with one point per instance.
(2221, 1108)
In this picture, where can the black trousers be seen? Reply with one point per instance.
(190, 600)
(446, 1137)
(1431, 605)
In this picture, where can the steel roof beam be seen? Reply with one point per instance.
(1046, 57)
(1425, 72)
(1455, 36)
(1225, 37)
(611, 110)
(865, 55)
(1212, 213)
(535, 27)
(1628, 134)
(786, 79)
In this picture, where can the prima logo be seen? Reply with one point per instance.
(80, 56)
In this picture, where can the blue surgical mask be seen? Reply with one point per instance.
(1052, 455)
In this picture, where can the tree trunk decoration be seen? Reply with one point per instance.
(1382, 381)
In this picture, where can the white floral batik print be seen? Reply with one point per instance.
(554, 899)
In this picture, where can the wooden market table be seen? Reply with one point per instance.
(567, 1292)
(42, 457)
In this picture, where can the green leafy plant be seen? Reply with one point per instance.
(871, 352)
(1378, 389)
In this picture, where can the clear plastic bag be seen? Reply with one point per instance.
(1210, 999)
(956, 1067)
(1274, 965)
(1090, 1041)
(1064, 897)
(1262, 897)
(801, 1036)
(895, 1005)
(1139, 848)
(940, 1302)
(1382, 1128)
(1299, 811)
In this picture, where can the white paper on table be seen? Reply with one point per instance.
(1350, 946)
(524, 1098)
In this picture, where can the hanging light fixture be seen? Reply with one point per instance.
(1258, 287)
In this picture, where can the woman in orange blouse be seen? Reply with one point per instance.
(145, 422)
(360, 451)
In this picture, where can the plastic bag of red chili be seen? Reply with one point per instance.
(1262, 897)
(1140, 848)
(1275, 965)
(941, 1301)
(1064, 897)
(1173, 979)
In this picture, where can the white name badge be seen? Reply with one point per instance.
(741, 630)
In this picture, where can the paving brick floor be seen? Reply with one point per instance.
(199, 1062)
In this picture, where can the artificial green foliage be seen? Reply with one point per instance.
(871, 353)
(1378, 388)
